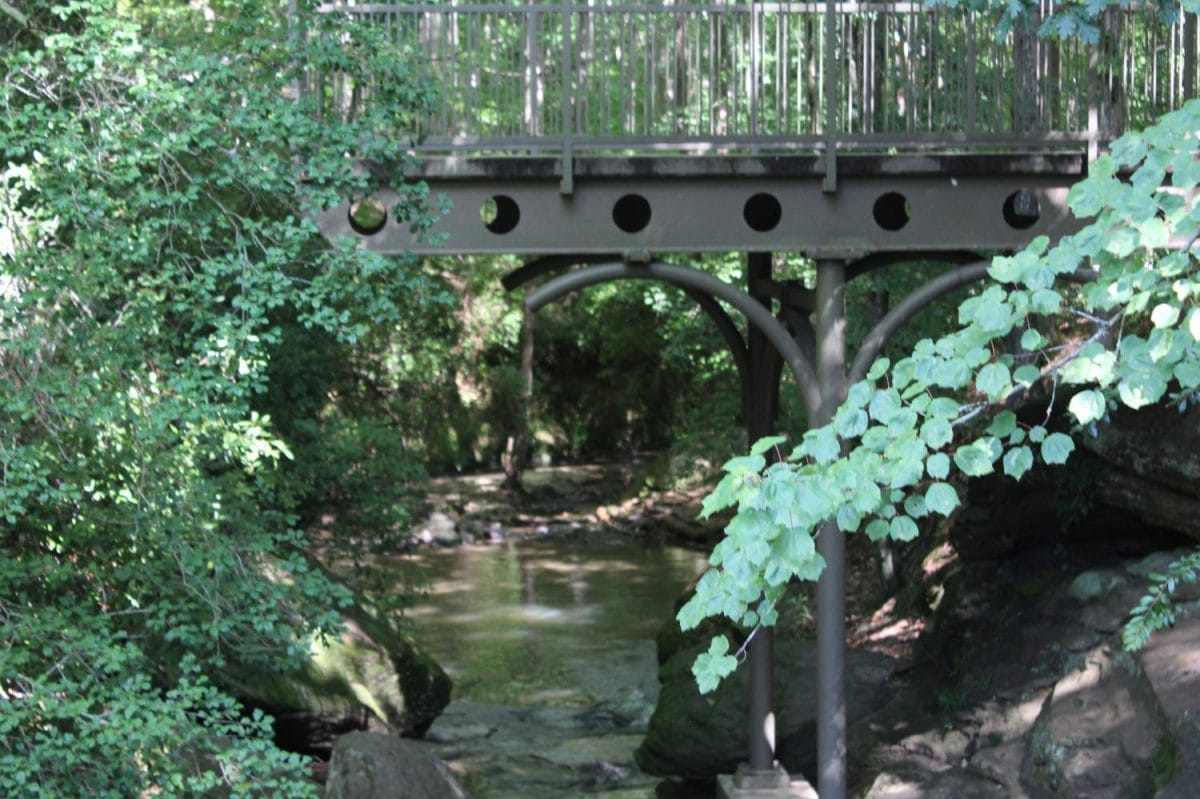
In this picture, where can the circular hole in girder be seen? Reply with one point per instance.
(367, 216)
(762, 212)
(1021, 209)
(500, 214)
(891, 211)
(631, 213)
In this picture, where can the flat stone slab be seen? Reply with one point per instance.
(798, 789)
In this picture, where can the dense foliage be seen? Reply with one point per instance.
(1130, 336)
(157, 256)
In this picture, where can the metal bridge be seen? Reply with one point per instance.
(595, 137)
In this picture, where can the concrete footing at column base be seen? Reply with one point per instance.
(775, 783)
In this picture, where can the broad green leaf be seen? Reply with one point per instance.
(1057, 448)
(848, 519)
(938, 465)
(884, 405)
(714, 665)
(937, 432)
(974, 460)
(877, 530)
(903, 528)
(994, 381)
(1018, 461)
(878, 369)
(914, 506)
(1188, 374)
(1026, 375)
(941, 498)
(1088, 406)
(1141, 389)
(1165, 314)
(1004, 423)
(766, 443)
(822, 445)
(1032, 340)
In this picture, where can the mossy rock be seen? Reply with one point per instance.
(367, 676)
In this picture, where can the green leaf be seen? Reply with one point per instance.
(994, 381)
(766, 443)
(878, 369)
(878, 529)
(1004, 423)
(1088, 406)
(714, 665)
(1165, 314)
(938, 465)
(973, 460)
(903, 528)
(1057, 448)
(1026, 375)
(1037, 434)
(937, 432)
(914, 506)
(1032, 340)
(822, 444)
(1018, 461)
(941, 498)
(848, 519)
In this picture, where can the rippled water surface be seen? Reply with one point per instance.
(549, 622)
(551, 648)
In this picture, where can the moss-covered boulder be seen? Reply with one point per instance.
(367, 677)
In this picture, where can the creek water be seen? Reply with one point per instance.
(551, 648)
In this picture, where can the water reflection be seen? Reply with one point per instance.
(549, 622)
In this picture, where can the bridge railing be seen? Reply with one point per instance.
(629, 76)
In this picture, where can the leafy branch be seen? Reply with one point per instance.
(946, 408)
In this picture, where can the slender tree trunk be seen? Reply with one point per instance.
(516, 449)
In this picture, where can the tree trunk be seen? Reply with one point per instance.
(516, 449)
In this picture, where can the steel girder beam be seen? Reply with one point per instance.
(710, 204)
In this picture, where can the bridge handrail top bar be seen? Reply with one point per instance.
(784, 141)
(964, 165)
(841, 6)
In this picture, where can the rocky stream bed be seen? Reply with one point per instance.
(994, 671)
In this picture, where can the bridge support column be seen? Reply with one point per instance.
(831, 543)
(762, 777)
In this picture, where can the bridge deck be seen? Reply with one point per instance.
(778, 75)
(835, 128)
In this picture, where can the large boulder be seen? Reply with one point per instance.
(698, 736)
(372, 766)
(367, 677)
(1101, 733)
(1150, 466)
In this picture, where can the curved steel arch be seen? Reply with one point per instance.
(726, 327)
(540, 267)
(686, 277)
(909, 307)
(879, 260)
(916, 302)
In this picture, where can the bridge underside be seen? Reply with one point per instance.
(612, 204)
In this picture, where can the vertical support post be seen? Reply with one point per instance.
(755, 63)
(831, 588)
(567, 181)
(829, 184)
(1093, 112)
(758, 424)
(1190, 66)
(971, 70)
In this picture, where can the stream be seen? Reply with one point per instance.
(551, 647)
